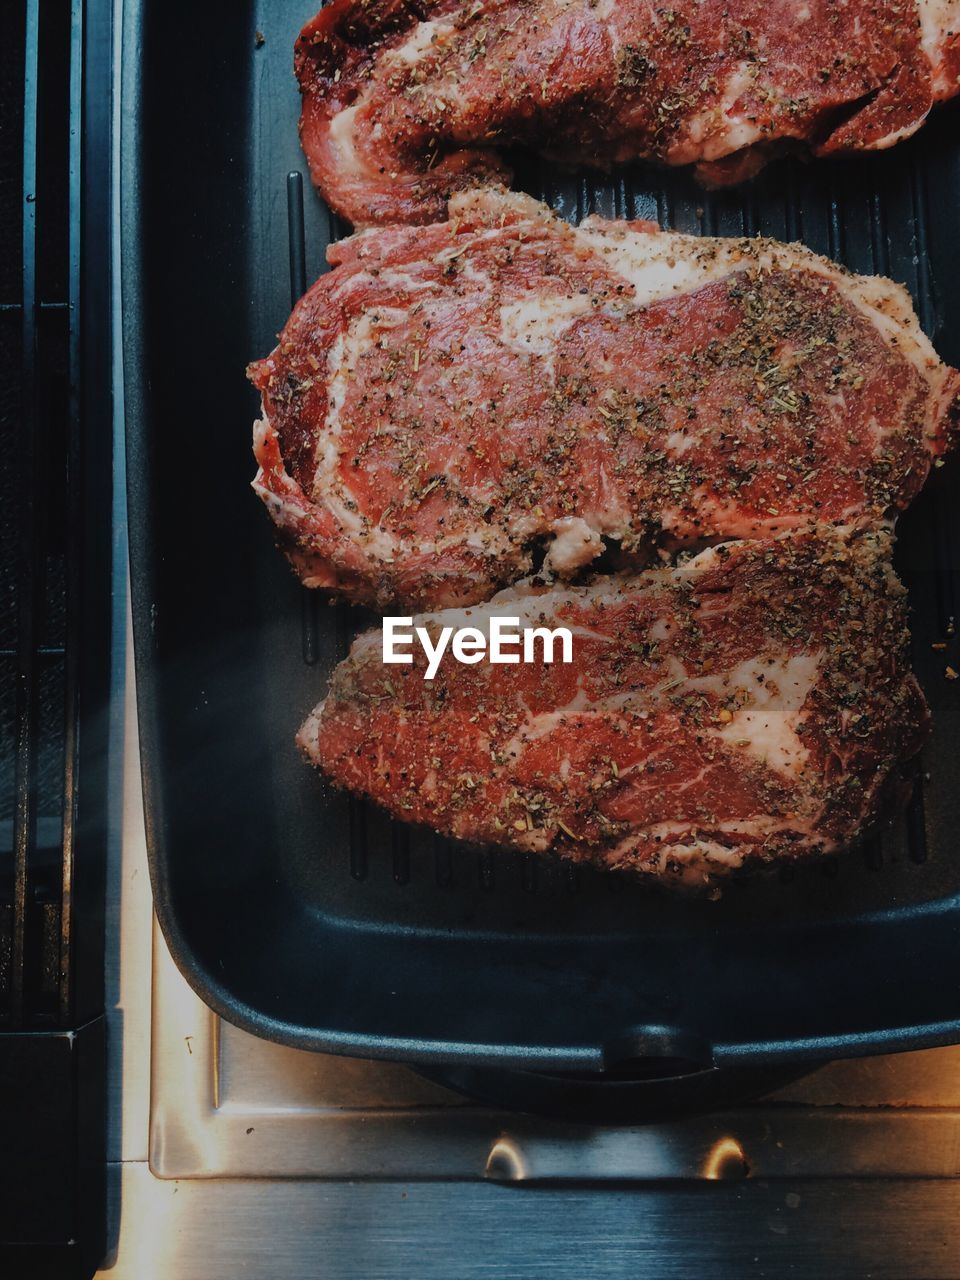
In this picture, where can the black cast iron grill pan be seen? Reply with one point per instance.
(309, 917)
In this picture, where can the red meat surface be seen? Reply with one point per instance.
(407, 101)
(452, 401)
(754, 705)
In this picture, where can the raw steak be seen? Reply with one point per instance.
(753, 705)
(452, 399)
(406, 101)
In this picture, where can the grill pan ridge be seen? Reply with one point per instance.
(310, 917)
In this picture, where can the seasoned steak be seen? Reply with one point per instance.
(452, 400)
(407, 101)
(754, 705)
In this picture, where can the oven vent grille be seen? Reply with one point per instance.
(46, 588)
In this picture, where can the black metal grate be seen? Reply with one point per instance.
(42, 545)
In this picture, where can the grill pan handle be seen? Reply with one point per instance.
(656, 1053)
(652, 1080)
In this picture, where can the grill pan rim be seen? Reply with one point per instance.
(145, 554)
